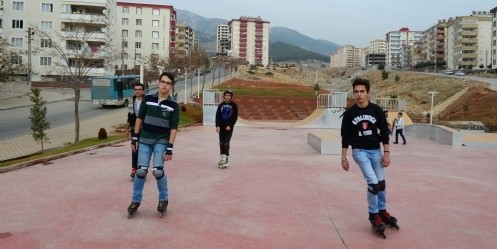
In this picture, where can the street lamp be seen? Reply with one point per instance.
(431, 110)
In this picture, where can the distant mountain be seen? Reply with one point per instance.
(295, 38)
(205, 31)
(281, 51)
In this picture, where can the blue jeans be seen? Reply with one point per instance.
(145, 152)
(369, 162)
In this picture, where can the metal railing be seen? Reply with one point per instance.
(332, 100)
(391, 104)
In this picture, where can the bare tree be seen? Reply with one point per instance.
(82, 49)
(10, 61)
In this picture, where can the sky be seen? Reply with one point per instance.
(354, 22)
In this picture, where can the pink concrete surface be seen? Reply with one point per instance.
(278, 192)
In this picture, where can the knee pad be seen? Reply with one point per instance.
(158, 173)
(141, 173)
(382, 185)
(374, 188)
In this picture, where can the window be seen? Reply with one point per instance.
(138, 45)
(155, 12)
(125, 56)
(139, 22)
(125, 33)
(46, 25)
(45, 61)
(138, 10)
(47, 7)
(155, 23)
(66, 8)
(17, 24)
(138, 33)
(16, 42)
(138, 56)
(1, 23)
(125, 21)
(155, 46)
(46, 43)
(16, 59)
(125, 10)
(125, 44)
(155, 34)
(17, 6)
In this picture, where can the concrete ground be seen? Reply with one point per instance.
(278, 192)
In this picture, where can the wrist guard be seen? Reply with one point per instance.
(169, 149)
(134, 139)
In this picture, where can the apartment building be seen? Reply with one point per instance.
(469, 40)
(35, 28)
(400, 45)
(348, 56)
(222, 38)
(433, 46)
(376, 53)
(144, 31)
(494, 38)
(249, 40)
(185, 41)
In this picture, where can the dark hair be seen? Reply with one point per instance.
(361, 82)
(169, 75)
(228, 91)
(139, 84)
(400, 113)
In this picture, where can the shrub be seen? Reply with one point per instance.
(397, 77)
(102, 134)
(269, 73)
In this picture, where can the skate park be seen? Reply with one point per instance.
(278, 192)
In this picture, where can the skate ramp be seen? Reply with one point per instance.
(321, 118)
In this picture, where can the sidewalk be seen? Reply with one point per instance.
(278, 192)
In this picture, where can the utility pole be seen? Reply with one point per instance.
(435, 48)
(30, 38)
(122, 56)
(431, 109)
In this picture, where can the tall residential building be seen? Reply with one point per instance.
(433, 47)
(144, 31)
(469, 40)
(399, 46)
(348, 56)
(494, 37)
(185, 41)
(249, 40)
(222, 36)
(376, 53)
(65, 23)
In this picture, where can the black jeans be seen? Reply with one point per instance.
(401, 132)
(224, 141)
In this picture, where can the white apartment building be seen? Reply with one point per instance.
(222, 37)
(469, 40)
(400, 44)
(376, 53)
(58, 23)
(494, 37)
(185, 41)
(144, 31)
(249, 40)
(348, 56)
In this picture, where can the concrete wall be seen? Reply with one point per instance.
(14, 89)
(437, 133)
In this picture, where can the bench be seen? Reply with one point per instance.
(325, 143)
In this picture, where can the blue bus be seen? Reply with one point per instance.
(113, 90)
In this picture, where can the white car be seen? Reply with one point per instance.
(449, 72)
(459, 73)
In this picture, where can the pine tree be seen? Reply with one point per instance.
(38, 115)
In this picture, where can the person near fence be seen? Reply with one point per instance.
(364, 128)
(399, 129)
(226, 117)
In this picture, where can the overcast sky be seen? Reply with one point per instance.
(354, 22)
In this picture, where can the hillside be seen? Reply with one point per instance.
(295, 38)
(281, 51)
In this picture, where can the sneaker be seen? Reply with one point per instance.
(376, 222)
(133, 173)
(387, 218)
(133, 207)
(162, 206)
(395, 142)
(404, 144)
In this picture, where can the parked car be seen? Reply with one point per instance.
(459, 73)
(449, 72)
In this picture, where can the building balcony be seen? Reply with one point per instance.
(466, 56)
(468, 41)
(69, 36)
(466, 48)
(469, 26)
(84, 18)
(469, 33)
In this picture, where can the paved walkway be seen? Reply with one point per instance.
(278, 192)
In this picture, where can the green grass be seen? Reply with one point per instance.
(185, 119)
(303, 92)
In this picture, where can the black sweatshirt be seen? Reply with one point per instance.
(360, 127)
(226, 114)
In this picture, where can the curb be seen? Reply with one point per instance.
(53, 157)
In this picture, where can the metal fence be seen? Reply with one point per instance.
(332, 100)
(391, 104)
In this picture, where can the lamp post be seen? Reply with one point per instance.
(431, 110)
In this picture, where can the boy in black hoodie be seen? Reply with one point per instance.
(226, 116)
